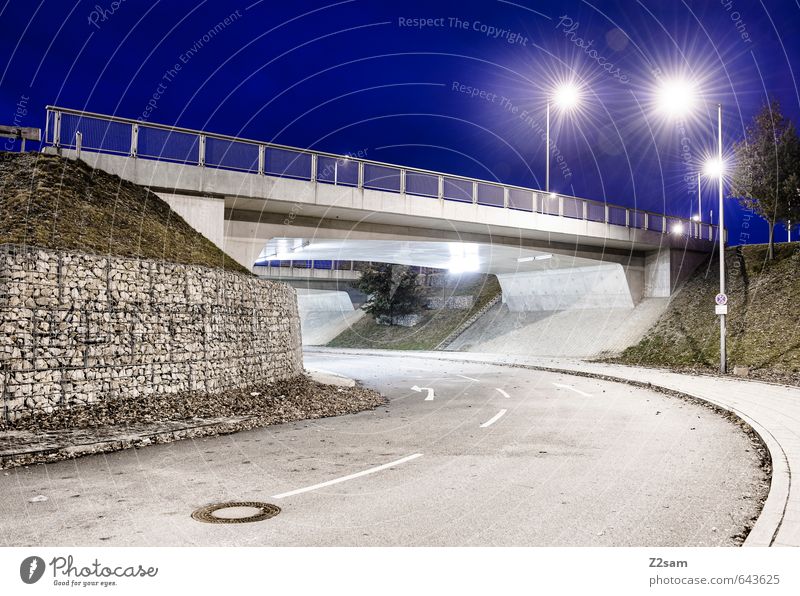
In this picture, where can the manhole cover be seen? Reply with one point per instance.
(236, 512)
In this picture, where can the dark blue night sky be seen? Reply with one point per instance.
(429, 84)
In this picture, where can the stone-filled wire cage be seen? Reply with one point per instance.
(77, 328)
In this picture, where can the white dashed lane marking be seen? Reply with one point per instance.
(571, 388)
(494, 418)
(291, 493)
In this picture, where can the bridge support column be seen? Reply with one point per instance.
(205, 215)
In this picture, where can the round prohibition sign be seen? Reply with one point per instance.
(721, 299)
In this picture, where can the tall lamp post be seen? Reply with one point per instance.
(565, 97)
(715, 169)
(677, 98)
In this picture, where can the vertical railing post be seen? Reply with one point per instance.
(201, 151)
(627, 218)
(663, 224)
(57, 129)
(361, 174)
(335, 172)
(560, 206)
(402, 182)
(134, 140)
(585, 214)
(474, 193)
(440, 192)
(606, 213)
(646, 221)
(505, 197)
(313, 167)
(261, 159)
(78, 144)
(534, 201)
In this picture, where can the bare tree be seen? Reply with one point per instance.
(765, 176)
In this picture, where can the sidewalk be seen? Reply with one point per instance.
(773, 411)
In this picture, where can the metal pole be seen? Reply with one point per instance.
(547, 162)
(699, 208)
(723, 360)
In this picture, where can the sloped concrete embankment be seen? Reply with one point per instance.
(576, 332)
(324, 314)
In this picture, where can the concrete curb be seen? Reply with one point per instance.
(327, 377)
(124, 439)
(764, 532)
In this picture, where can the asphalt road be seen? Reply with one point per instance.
(499, 456)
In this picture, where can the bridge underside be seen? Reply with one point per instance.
(543, 261)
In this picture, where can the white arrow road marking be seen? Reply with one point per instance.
(494, 418)
(468, 378)
(571, 388)
(503, 393)
(291, 493)
(428, 389)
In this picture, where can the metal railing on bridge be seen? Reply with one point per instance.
(80, 130)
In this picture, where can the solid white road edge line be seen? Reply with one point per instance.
(503, 393)
(346, 478)
(571, 388)
(494, 418)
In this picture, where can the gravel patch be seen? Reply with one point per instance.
(118, 424)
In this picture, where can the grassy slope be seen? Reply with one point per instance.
(428, 333)
(51, 202)
(763, 329)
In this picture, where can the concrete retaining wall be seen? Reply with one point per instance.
(324, 314)
(80, 328)
(600, 286)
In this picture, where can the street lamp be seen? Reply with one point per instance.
(677, 98)
(565, 97)
(715, 168)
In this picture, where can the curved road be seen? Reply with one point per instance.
(491, 456)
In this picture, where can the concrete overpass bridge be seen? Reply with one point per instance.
(260, 202)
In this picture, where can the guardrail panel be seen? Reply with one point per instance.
(231, 154)
(168, 145)
(655, 223)
(521, 200)
(287, 164)
(99, 135)
(573, 208)
(548, 205)
(616, 215)
(490, 194)
(422, 185)
(637, 219)
(381, 178)
(456, 189)
(596, 211)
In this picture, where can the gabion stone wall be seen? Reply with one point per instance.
(77, 328)
(450, 302)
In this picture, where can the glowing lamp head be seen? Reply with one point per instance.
(676, 97)
(714, 168)
(695, 217)
(677, 228)
(566, 96)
